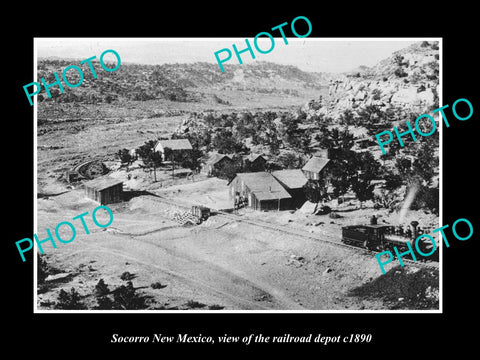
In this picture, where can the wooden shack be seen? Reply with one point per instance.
(314, 167)
(215, 163)
(104, 190)
(174, 145)
(254, 162)
(261, 191)
(293, 181)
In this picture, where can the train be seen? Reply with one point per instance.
(384, 237)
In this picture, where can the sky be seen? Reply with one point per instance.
(308, 54)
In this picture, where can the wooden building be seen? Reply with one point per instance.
(330, 153)
(104, 190)
(261, 191)
(293, 181)
(215, 162)
(174, 145)
(314, 167)
(254, 162)
(73, 176)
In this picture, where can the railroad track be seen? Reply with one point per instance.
(327, 239)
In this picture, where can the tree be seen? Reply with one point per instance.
(42, 269)
(304, 143)
(404, 167)
(362, 189)
(125, 298)
(335, 138)
(69, 301)
(369, 113)
(290, 160)
(290, 131)
(101, 289)
(392, 181)
(427, 198)
(426, 163)
(315, 191)
(150, 157)
(347, 118)
(367, 169)
(225, 143)
(125, 158)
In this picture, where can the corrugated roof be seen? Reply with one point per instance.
(291, 178)
(103, 183)
(264, 186)
(316, 164)
(174, 144)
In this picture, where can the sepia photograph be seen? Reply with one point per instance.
(169, 179)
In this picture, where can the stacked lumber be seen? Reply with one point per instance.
(185, 217)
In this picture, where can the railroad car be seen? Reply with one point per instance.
(382, 237)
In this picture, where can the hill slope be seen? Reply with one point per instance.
(407, 81)
(175, 82)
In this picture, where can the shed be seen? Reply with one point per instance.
(173, 144)
(215, 162)
(261, 191)
(254, 162)
(73, 176)
(105, 190)
(314, 167)
(293, 181)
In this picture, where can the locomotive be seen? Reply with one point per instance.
(383, 237)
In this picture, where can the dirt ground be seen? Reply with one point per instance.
(222, 263)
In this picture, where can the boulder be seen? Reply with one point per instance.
(406, 96)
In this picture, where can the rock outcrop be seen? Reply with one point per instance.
(407, 81)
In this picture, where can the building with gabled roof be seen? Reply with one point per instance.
(215, 162)
(104, 190)
(290, 178)
(173, 144)
(293, 181)
(314, 167)
(254, 162)
(261, 191)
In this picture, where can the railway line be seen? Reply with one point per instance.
(327, 239)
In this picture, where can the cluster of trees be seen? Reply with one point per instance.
(347, 170)
(229, 133)
(412, 166)
(278, 134)
(289, 147)
(152, 160)
(123, 297)
(131, 82)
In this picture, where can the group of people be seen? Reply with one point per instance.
(239, 201)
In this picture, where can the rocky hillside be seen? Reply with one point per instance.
(176, 82)
(407, 81)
